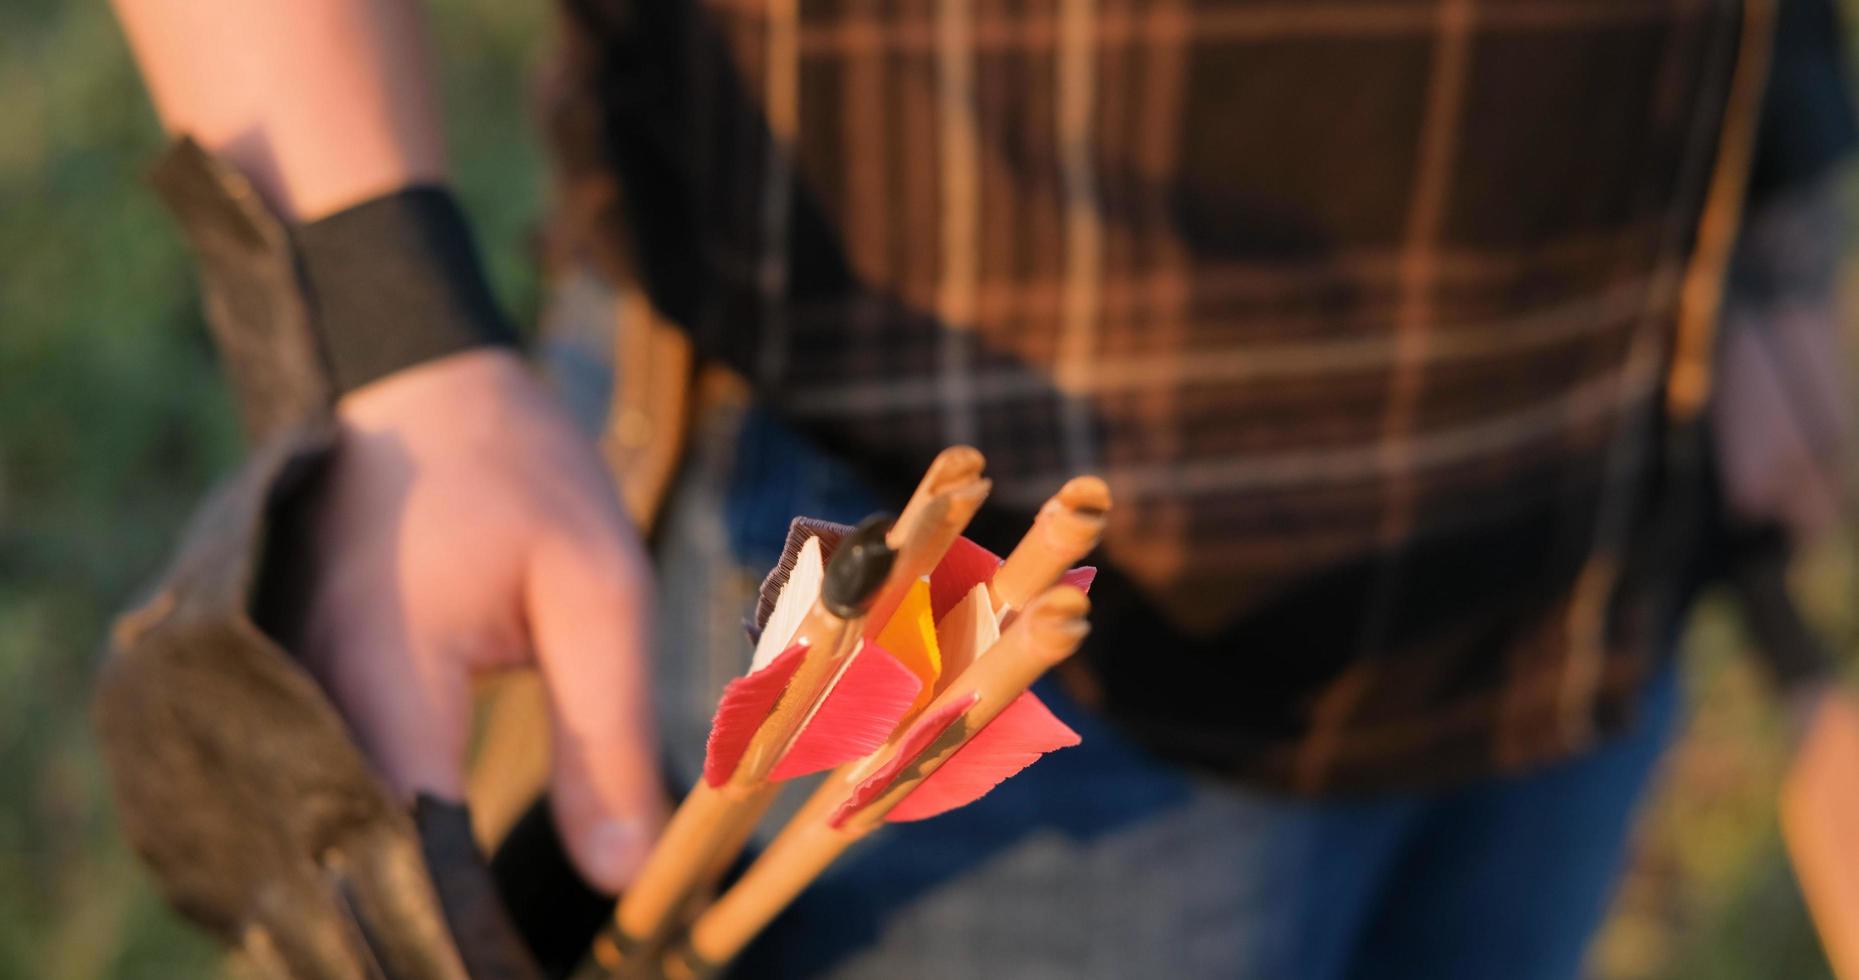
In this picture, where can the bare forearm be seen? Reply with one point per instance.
(322, 103)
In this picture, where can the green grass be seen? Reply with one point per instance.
(112, 420)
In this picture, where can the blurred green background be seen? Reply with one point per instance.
(112, 420)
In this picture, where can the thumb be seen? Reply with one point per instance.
(590, 609)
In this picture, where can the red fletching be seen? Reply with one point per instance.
(964, 566)
(1015, 739)
(747, 700)
(926, 730)
(858, 714)
(875, 690)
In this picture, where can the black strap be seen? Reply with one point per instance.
(396, 281)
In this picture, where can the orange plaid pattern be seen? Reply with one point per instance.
(1363, 307)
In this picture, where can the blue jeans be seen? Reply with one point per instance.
(1103, 861)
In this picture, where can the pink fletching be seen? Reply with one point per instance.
(925, 730)
(964, 566)
(858, 714)
(747, 700)
(1082, 577)
(1012, 741)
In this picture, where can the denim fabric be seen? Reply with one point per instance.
(1102, 861)
(778, 476)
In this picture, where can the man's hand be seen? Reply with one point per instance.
(468, 526)
(1781, 414)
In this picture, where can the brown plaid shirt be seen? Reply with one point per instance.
(1363, 307)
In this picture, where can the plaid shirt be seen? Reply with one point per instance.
(1363, 307)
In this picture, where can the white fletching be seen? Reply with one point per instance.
(797, 596)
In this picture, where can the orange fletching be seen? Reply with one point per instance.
(910, 636)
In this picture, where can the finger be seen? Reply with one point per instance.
(590, 605)
(408, 704)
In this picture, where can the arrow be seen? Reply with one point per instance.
(857, 800)
(818, 694)
(980, 727)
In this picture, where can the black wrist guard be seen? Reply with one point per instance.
(394, 282)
